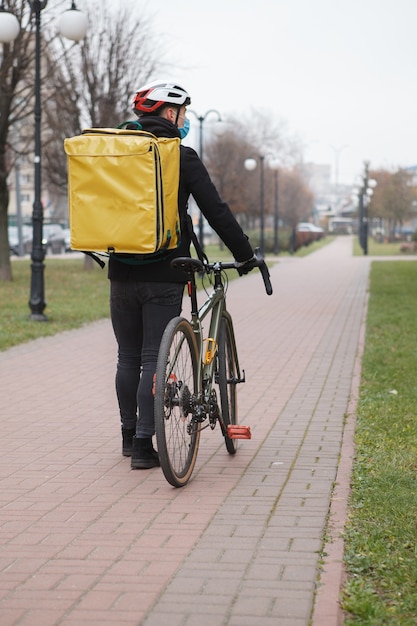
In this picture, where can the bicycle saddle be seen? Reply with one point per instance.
(187, 264)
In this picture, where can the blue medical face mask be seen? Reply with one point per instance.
(184, 130)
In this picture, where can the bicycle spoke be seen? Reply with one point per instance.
(176, 388)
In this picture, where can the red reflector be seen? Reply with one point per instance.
(239, 432)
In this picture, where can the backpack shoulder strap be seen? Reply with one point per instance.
(133, 124)
(95, 258)
(200, 253)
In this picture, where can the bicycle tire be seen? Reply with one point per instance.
(228, 377)
(177, 433)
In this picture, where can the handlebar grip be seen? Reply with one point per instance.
(263, 268)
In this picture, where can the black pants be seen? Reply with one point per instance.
(139, 313)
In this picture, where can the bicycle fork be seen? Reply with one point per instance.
(207, 404)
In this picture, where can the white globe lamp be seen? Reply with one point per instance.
(73, 24)
(9, 26)
(250, 164)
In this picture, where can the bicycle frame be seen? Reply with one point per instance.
(215, 305)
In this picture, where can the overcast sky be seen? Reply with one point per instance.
(341, 73)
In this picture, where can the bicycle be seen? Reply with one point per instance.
(190, 367)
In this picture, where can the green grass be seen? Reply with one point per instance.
(74, 297)
(380, 536)
(378, 249)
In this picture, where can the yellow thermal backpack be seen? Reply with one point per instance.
(123, 191)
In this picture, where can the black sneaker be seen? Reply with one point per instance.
(127, 440)
(143, 454)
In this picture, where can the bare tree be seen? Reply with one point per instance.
(257, 136)
(225, 162)
(94, 82)
(393, 198)
(16, 63)
(296, 199)
(271, 136)
(89, 84)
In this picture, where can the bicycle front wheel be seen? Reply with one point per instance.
(176, 386)
(228, 379)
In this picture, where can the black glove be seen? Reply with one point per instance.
(245, 267)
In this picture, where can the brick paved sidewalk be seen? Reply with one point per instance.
(85, 540)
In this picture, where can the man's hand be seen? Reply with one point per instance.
(244, 267)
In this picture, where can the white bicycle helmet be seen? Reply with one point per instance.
(150, 97)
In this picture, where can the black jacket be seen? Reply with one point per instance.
(195, 181)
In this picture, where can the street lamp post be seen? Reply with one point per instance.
(276, 213)
(274, 165)
(337, 152)
(201, 119)
(261, 161)
(250, 164)
(363, 236)
(365, 193)
(73, 26)
(37, 287)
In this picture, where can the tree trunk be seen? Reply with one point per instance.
(5, 265)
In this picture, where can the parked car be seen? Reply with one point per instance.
(311, 228)
(404, 233)
(53, 238)
(307, 233)
(13, 233)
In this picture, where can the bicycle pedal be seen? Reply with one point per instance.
(238, 432)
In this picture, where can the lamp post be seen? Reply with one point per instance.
(73, 25)
(201, 119)
(276, 214)
(365, 193)
(274, 165)
(337, 152)
(250, 164)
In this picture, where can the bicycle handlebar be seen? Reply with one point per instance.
(190, 265)
(263, 268)
(258, 261)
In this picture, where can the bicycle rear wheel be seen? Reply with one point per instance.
(228, 379)
(177, 433)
